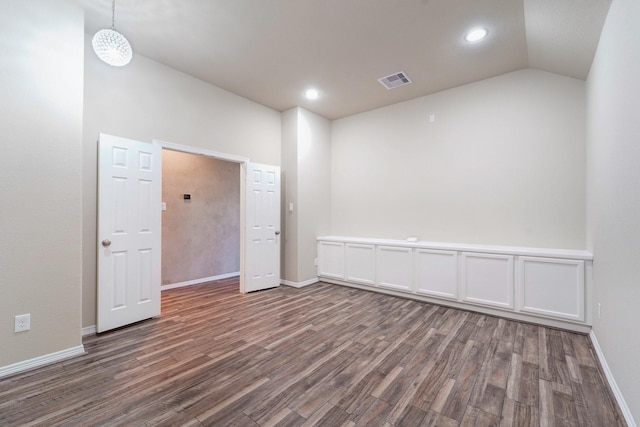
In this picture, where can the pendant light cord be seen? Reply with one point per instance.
(113, 15)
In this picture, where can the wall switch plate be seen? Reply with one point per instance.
(163, 206)
(23, 323)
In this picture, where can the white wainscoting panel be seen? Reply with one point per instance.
(436, 273)
(331, 259)
(551, 287)
(394, 267)
(360, 263)
(487, 279)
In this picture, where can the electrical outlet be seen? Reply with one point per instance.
(315, 262)
(599, 308)
(23, 323)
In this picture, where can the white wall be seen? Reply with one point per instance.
(503, 163)
(40, 176)
(613, 177)
(306, 161)
(289, 188)
(314, 188)
(147, 100)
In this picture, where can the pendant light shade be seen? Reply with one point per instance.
(111, 46)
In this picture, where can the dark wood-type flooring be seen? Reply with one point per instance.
(323, 355)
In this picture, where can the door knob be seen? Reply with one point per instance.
(106, 243)
(277, 232)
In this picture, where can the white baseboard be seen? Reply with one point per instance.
(89, 330)
(626, 412)
(300, 284)
(198, 281)
(37, 362)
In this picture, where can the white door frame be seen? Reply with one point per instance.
(243, 161)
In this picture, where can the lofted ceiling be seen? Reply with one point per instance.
(271, 51)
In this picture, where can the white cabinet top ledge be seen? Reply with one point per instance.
(467, 247)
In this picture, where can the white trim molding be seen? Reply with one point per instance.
(626, 412)
(202, 151)
(300, 284)
(198, 281)
(37, 362)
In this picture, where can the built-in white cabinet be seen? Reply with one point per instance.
(547, 286)
(436, 273)
(360, 263)
(394, 267)
(552, 287)
(331, 260)
(487, 279)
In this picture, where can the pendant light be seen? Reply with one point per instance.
(111, 46)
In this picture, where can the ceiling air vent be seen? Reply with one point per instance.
(395, 80)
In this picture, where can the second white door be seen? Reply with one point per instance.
(262, 228)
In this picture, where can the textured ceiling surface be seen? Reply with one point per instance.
(270, 51)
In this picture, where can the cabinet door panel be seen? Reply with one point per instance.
(331, 259)
(551, 287)
(436, 273)
(394, 267)
(360, 263)
(487, 279)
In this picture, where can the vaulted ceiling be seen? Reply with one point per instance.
(271, 51)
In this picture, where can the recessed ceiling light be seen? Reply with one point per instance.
(476, 34)
(312, 94)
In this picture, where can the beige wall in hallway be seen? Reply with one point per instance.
(200, 236)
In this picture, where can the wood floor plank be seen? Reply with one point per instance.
(478, 418)
(434, 419)
(322, 355)
(547, 416)
(529, 389)
(231, 399)
(372, 412)
(519, 414)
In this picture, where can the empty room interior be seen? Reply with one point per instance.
(411, 212)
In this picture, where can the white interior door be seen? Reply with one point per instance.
(129, 252)
(262, 228)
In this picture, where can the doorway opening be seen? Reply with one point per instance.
(200, 219)
(229, 164)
